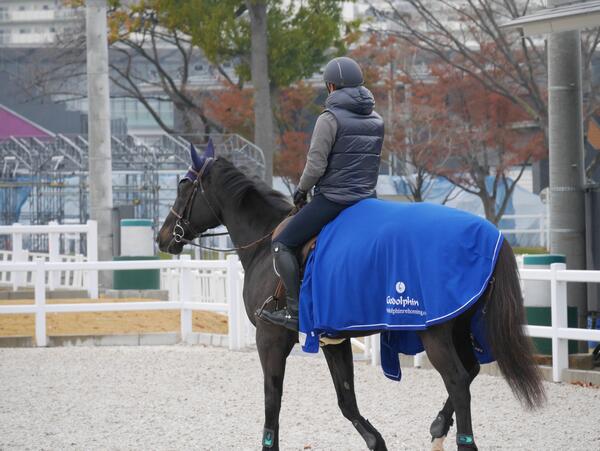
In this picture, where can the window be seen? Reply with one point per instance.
(46, 7)
(199, 67)
(24, 30)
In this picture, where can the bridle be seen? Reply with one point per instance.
(183, 224)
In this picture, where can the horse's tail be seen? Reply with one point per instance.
(504, 323)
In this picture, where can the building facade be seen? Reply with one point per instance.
(27, 23)
(35, 36)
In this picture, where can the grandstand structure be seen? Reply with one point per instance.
(45, 179)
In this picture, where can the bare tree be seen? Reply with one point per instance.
(150, 63)
(161, 83)
(503, 61)
(481, 128)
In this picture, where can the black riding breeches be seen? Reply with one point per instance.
(309, 221)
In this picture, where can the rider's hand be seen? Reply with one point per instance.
(299, 197)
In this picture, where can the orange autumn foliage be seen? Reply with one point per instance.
(233, 109)
(295, 111)
(291, 158)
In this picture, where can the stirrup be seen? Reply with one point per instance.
(261, 309)
(281, 317)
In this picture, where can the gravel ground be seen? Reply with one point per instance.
(192, 397)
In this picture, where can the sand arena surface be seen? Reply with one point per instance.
(107, 323)
(193, 397)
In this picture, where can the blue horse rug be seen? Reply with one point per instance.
(398, 268)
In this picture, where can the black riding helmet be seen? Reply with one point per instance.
(343, 72)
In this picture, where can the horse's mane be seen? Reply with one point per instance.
(240, 188)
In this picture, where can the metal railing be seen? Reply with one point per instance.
(542, 229)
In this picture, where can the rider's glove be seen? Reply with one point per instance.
(299, 197)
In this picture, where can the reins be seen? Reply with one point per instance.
(227, 249)
(235, 248)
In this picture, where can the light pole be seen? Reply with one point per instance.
(100, 160)
(562, 21)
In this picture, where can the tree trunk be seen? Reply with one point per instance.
(489, 207)
(264, 136)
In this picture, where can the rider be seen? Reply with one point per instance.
(342, 165)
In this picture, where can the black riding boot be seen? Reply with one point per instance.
(287, 267)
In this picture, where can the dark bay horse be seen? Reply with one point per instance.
(216, 193)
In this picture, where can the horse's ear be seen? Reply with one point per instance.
(197, 160)
(210, 150)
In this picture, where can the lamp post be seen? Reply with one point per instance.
(100, 160)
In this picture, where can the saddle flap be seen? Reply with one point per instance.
(306, 248)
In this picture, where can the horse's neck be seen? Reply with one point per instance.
(252, 228)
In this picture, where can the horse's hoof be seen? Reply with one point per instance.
(440, 426)
(437, 444)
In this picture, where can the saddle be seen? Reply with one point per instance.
(305, 251)
(307, 248)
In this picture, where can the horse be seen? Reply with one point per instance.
(215, 192)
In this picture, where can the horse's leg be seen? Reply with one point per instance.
(341, 366)
(462, 342)
(274, 345)
(443, 355)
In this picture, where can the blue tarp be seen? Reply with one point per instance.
(522, 202)
(14, 197)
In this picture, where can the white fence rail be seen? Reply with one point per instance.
(67, 278)
(539, 228)
(229, 273)
(558, 276)
(559, 331)
(239, 326)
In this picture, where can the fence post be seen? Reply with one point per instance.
(172, 281)
(542, 231)
(197, 255)
(375, 349)
(92, 256)
(40, 302)
(233, 299)
(18, 255)
(547, 220)
(185, 296)
(418, 359)
(367, 350)
(558, 300)
(53, 256)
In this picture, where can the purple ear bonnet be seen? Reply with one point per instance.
(198, 161)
